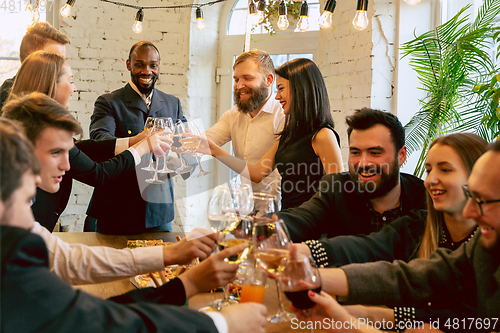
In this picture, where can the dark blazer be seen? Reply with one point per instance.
(33, 299)
(120, 206)
(48, 206)
(5, 91)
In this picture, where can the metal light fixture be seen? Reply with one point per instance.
(66, 9)
(412, 2)
(326, 19)
(303, 23)
(283, 20)
(260, 11)
(361, 21)
(137, 27)
(252, 14)
(200, 23)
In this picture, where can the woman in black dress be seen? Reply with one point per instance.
(308, 147)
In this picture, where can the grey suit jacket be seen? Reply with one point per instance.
(128, 206)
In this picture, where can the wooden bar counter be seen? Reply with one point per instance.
(109, 289)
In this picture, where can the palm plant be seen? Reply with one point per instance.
(450, 61)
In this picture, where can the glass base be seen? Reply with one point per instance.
(281, 317)
(221, 304)
(154, 181)
(184, 169)
(148, 168)
(203, 173)
(166, 171)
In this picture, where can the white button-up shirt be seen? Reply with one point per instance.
(252, 137)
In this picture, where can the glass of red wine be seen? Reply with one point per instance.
(298, 277)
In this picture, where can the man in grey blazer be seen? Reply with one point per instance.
(129, 206)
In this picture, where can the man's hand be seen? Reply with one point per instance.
(139, 137)
(211, 273)
(156, 143)
(245, 317)
(185, 250)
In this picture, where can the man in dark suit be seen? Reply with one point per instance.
(129, 206)
(33, 299)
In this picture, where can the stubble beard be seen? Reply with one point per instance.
(388, 181)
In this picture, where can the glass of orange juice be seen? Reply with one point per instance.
(254, 285)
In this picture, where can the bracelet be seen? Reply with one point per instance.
(403, 315)
(318, 253)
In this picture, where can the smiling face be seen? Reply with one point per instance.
(16, 211)
(65, 86)
(446, 174)
(52, 148)
(144, 67)
(484, 183)
(283, 94)
(373, 161)
(251, 89)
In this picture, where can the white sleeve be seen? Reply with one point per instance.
(81, 264)
(219, 321)
(220, 133)
(121, 145)
(137, 157)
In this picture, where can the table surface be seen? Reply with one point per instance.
(109, 289)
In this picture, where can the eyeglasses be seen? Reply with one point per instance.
(477, 202)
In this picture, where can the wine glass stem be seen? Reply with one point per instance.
(226, 293)
(281, 308)
(198, 161)
(150, 166)
(155, 177)
(165, 161)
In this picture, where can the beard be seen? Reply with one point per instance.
(257, 97)
(142, 88)
(491, 246)
(388, 180)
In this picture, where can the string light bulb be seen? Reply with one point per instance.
(260, 11)
(139, 17)
(66, 9)
(412, 2)
(361, 21)
(200, 23)
(303, 24)
(326, 19)
(252, 14)
(283, 20)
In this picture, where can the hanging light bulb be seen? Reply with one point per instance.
(252, 14)
(303, 23)
(360, 21)
(200, 24)
(325, 21)
(66, 9)
(137, 27)
(283, 20)
(260, 11)
(412, 2)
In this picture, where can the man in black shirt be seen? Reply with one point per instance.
(372, 194)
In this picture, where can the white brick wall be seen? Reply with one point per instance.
(358, 68)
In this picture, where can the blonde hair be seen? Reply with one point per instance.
(469, 147)
(39, 72)
(261, 58)
(37, 36)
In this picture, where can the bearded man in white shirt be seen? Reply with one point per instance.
(252, 123)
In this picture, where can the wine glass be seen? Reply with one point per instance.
(148, 124)
(169, 126)
(234, 230)
(241, 201)
(271, 243)
(264, 206)
(217, 204)
(158, 126)
(183, 139)
(202, 172)
(298, 277)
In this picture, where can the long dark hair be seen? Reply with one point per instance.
(309, 105)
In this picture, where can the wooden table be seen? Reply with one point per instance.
(109, 289)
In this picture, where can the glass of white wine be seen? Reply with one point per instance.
(183, 137)
(271, 243)
(158, 126)
(234, 230)
(168, 126)
(148, 124)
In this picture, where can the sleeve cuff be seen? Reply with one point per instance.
(121, 145)
(137, 157)
(219, 321)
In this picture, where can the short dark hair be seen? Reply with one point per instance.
(494, 146)
(37, 36)
(366, 118)
(37, 111)
(139, 45)
(17, 156)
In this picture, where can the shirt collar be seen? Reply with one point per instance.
(269, 106)
(146, 98)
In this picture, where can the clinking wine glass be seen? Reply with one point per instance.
(168, 126)
(241, 201)
(271, 243)
(158, 126)
(202, 172)
(181, 135)
(234, 230)
(148, 124)
(264, 206)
